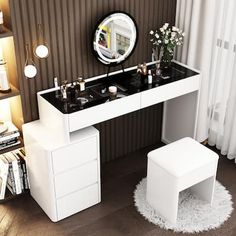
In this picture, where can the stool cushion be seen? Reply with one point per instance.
(182, 157)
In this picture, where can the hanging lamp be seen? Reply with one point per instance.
(41, 50)
(30, 69)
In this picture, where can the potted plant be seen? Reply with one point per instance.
(164, 41)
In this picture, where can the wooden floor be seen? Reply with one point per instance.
(115, 215)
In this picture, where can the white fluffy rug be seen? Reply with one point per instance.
(194, 215)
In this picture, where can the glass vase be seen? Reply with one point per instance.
(166, 60)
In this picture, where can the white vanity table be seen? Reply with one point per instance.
(63, 149)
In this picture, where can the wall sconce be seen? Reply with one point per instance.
(41, 51)
(30, 69)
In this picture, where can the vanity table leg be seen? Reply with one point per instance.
(179, 117)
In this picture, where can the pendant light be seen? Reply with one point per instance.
(30, 69)
(41, 50)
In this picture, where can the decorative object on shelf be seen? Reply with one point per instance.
(30, 69)
(164, 41)
(4, 84)
(41, 50)
(3, 127)
(1, 22)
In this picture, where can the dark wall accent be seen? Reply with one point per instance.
(130, 132)
(67, 28)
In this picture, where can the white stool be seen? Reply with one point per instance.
(178, 166)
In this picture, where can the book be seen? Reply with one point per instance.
(3, 176)
(9, 145)
(21, 154)
(11, 132)
(10, 178)
(8, 141)
(16, 171)
(20, 171)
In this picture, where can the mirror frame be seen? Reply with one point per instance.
(94, 36)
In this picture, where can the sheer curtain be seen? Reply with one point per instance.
(211, 47)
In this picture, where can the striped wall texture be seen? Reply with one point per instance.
(67, 28)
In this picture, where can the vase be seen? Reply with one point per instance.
(166, 60)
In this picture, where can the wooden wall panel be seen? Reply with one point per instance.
(67, 28)
(130, 132)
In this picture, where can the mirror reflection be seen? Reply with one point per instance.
(115, 38)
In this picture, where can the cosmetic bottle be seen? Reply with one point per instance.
(149, 77)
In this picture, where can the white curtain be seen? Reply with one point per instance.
(210, 46)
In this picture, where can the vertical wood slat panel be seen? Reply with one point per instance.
(130, 132)
(67, 28)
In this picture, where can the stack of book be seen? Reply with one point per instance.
(10, 137)
(13, 172)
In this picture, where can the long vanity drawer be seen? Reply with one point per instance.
(78, 201)
(105, 111)
(76, 179)
(169, 91)
(74, 155)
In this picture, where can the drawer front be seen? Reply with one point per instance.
(103, 112)
(76, 179)
(77, 201)
(169, 91)
(74, 155)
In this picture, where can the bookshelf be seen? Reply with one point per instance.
(13, 109)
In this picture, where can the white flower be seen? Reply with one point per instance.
(162, 30)
(183, 34)
(165, 26)
(174, 28)
(157, 36)
(173, 34)
(151, 32)
(166, 41)
(159, 41)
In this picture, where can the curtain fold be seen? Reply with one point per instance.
(211, 47)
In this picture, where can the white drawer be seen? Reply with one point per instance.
(78, 201)
(76, 179)
(169, 91)
(105, 111)
(74, 155)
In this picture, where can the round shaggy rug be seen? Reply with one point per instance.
(194, 214)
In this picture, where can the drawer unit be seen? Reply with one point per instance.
(66, 179)
(74, 155)
(78, 201)
(76, 178)
(105, 111)
(169, 91)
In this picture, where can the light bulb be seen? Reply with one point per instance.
(41, 51)
(30, 71)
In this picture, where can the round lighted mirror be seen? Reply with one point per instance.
(115, 38)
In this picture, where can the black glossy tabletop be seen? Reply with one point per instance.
(127, 83)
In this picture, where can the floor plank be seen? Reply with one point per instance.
(115, 215)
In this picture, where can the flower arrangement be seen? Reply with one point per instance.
(165, 40)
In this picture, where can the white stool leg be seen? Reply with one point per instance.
(205, 189)
(162, 193)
